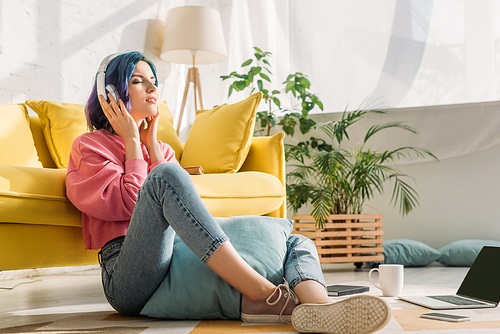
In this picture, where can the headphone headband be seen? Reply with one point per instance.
(101, 74)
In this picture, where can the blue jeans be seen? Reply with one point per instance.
(134, 266)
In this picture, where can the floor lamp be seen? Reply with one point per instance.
(193, 35)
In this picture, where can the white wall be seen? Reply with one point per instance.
(52, 48)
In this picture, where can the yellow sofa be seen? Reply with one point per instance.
(39, 227)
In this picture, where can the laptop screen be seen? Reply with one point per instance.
(482, 280)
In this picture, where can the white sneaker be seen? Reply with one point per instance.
(360, 314)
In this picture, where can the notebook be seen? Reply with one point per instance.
(479, 289)
(338, 290)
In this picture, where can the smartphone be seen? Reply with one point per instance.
(445, 317)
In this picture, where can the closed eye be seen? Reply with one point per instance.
(140, 79)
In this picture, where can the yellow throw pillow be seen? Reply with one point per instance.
(220, 138)
(166, 131)
(62, 123)
(17, 147)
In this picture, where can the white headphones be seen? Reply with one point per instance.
(101, 79)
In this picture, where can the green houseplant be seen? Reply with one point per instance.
(336, 180)
(297, 84)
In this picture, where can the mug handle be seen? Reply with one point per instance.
(370, 277)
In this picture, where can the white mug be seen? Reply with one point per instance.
(391, 278)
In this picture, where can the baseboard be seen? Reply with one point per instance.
(36, 272)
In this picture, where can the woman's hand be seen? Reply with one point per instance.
(124, 125)
(149, 137)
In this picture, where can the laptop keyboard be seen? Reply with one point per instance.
(456, 300)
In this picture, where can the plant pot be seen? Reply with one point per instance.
(345, 238)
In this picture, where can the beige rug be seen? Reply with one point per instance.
(409, 319)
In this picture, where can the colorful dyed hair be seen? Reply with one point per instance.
(118, 73)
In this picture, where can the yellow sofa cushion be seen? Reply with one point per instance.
(17, 147)
(220, 138)
(63, 122)
(33, 195)
(240, 194)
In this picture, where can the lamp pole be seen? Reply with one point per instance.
(194, 77)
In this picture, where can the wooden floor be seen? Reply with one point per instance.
(432, 275)
(25, 300)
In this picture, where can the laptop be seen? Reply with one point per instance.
(479, 289)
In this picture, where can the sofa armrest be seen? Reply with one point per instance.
(267, 155)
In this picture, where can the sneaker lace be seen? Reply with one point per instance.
(288, 295)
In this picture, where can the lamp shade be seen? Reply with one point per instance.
(193, 31)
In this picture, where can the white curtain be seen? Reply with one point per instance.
(402, 53)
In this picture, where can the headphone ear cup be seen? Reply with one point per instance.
(112, 90)
(101, 76)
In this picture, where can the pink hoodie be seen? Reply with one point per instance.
(104, 186)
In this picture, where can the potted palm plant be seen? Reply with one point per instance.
(339, 181)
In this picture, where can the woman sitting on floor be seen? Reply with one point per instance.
(135, 198)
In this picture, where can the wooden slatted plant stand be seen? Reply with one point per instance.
(345, 238)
